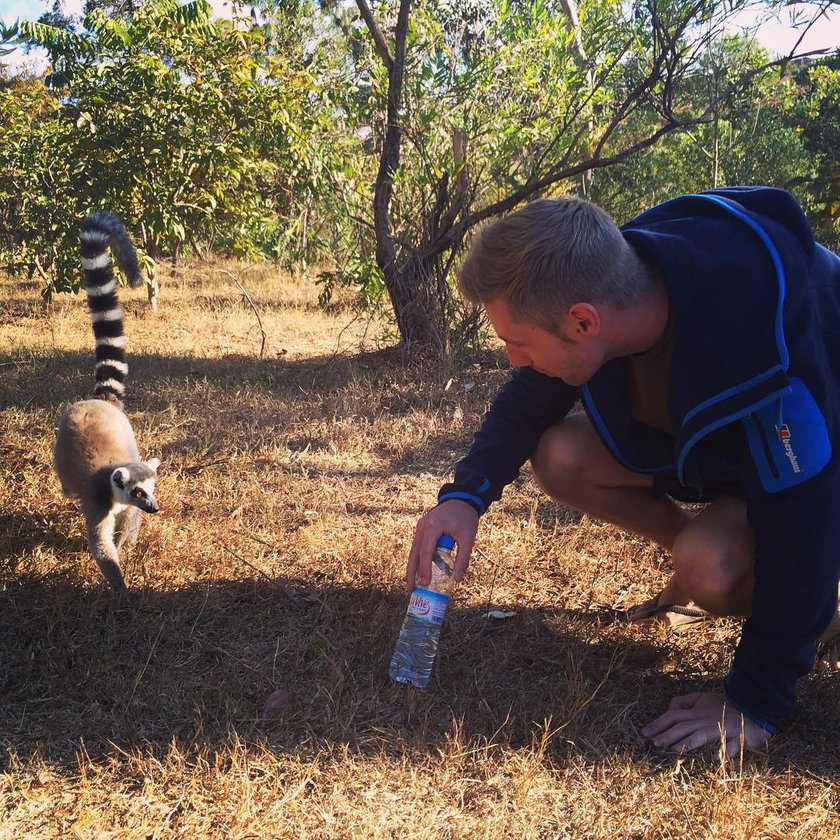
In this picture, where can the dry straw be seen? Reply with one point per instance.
(296, 460)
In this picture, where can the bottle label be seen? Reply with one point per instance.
(427, 605)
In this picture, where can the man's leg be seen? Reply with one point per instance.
(712, 553)
(575, 468)
(713, 558)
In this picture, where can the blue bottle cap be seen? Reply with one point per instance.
(446, 542)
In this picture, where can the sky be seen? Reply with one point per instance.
(778, 36)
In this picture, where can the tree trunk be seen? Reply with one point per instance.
(582, 60)
(175, 253)
(412, 290)
(152, 284)
(410, 281)
(153, 290)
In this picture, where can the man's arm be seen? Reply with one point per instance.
(794, 597)
(792, 486)
(524, 408)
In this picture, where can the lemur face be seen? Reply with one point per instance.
(134, 484)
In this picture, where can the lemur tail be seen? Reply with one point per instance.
(99, 231)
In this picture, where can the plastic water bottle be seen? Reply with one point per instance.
(417, 644)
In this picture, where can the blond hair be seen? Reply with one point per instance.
(550, 254)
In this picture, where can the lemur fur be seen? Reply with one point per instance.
(95, 455)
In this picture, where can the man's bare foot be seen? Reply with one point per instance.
(657, 611)
(828, 655)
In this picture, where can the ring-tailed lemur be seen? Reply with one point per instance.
(95, 453)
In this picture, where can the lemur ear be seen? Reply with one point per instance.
(153, 464)
(120, 476)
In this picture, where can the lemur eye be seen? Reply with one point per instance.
(137, 493)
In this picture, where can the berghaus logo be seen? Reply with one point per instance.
(783, 431)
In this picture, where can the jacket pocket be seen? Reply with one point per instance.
(788, 439)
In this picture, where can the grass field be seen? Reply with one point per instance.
(290, 485)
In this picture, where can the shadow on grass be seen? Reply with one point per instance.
(197, 664)
(222, 406)
(253, 398)
(67, 376)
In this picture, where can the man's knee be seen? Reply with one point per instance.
(571, 461)
(560, 460)
(713, 565)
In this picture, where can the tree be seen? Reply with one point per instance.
(748, 138)
(183, 126)
(35, 181)
(815, 116)
(522, 100)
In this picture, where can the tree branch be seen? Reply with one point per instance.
(376, 34)
(390, 157)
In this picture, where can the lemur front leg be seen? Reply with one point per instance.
(100, 531)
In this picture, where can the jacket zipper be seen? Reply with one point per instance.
(762, 434)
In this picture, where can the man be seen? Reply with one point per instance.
(703, 339)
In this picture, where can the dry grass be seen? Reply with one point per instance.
(290, 487)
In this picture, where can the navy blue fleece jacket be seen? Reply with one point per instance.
(755, 395)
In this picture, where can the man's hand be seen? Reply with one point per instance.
(694, 720)
(457, 519)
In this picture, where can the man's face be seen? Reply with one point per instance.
(574, 360)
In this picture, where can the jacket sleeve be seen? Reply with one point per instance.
(797, 563)
(524, 408)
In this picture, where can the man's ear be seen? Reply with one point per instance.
(584, 320)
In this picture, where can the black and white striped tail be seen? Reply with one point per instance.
(101, 231)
